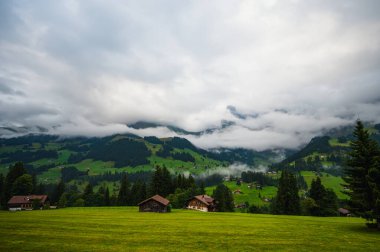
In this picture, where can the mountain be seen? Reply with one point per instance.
(51, 157)
(325, 153)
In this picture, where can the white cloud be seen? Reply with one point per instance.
(99, 65)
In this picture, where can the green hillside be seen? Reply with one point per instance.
(46, 156)
(247, 194)
(125, 229)
(329, 181)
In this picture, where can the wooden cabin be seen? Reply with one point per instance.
(156, 203)
(344, 212)
(202, 203)
(25, 202)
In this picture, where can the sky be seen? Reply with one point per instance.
(280, 71)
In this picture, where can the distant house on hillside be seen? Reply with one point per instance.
(156, 203)
(202, 203)
(25, 202)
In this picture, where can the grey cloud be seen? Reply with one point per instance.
(281, 71)
(5, 89)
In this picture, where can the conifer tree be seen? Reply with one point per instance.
(107, 201)
(88, 195)
(2, 203)
(223, 198)
(123, 198)
(14, 172)
(58, 191)
(362, 175)
(155, 183)
(325, 200)
(287, 200)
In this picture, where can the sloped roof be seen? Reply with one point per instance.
(205, 199)
(24, 199)
(343, 211)
(157, 198)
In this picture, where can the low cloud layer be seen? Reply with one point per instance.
(282, 71)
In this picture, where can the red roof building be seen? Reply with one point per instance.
(25, 202)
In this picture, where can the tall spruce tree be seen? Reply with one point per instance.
(161, 182)
(362, 175)
(223, 198)
(325, 199)
(123, 199)
(107, 200)
(58, 191)
(2, 203)
(14, 172)
(89, 196)
(287, 200)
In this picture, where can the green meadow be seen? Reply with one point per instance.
(125, 229)
(250, 195)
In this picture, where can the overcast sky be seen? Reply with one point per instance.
(282, 71)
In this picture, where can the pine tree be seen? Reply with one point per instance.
(107, 201)
(325, 200)
(23, 185)
(362, 175)
(287, 200)
(88, 195)
(142, 193)
(58, 191)
(155, 183)
(123, 198)
(166, 182)
(34, 183)
(202, 189)
(2, 203)
(223, 198)
(14, 172)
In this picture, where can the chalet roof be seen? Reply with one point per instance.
(157, 198)
(343, 211)
(205, 199)
(24, 199)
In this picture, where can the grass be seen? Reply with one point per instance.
(329, 181)
(125, 229)
(248, 195)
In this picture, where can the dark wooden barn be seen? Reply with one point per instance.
(154, 204)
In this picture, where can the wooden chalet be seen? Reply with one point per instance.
(156, 203)
(344, 212)
(202, 203)
(25, 202)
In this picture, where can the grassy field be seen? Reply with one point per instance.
(124, 229)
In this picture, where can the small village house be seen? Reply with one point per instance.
(156, 203)
(344, 212)
(25, 202)
(202, 203)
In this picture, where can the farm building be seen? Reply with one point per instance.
(25, 202)
(156, 203)
(202, 203)
(344, 212)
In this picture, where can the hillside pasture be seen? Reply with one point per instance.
(250, 195)
(125, 229)
(329, 181)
